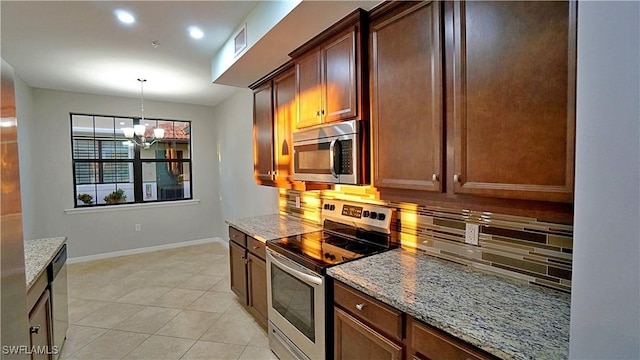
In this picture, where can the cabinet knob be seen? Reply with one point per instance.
(35, 329)
(322, 112)
(255, 248)
(434, 177)
(359, 306)
(318, 113)
(269, 172)
(456, 178)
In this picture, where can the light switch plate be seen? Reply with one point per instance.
(297, 202)
(471, 234)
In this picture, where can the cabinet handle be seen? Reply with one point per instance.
(359, 306)
(269, 172)
(35, 329)
(456, 178)
(256, 248)
(434, 177)
(246, 261)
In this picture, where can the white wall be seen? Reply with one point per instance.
(605, 302)
(100, 232)
(240, 196)
(24, 115)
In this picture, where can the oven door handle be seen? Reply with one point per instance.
(332, 150)
(306, 277)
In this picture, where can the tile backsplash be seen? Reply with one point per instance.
(518, 247)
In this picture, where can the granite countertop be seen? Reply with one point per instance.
(269, 227)
(37, 256)
(506, 318)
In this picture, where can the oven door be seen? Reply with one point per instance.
(296, 309)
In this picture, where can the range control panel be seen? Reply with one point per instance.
(362, 215)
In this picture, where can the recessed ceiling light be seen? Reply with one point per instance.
(125, 17)
(195, 32)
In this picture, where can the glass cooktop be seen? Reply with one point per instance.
(322, 249)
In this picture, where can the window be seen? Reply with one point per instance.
(109, 169)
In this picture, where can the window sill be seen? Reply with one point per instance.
(100, 209)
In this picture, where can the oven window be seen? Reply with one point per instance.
(293, 299)
(313, 159)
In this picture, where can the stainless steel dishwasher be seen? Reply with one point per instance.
(59, 300)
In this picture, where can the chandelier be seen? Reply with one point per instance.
(136, 134)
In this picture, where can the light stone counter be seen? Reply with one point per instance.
(508, 319)
(38, 254)
(269, 227)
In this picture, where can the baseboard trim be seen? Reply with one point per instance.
(81, 259)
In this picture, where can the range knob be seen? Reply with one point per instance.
(332, 207)
(329, 256)
(373, 215)
(381, 216)
(365, 213)
(326, 206)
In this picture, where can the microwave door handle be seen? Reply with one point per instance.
(332, 148)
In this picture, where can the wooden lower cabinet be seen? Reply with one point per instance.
(238, 272)
(365, 328)
(248, 273)
(426, 342)
(355, 340)
(40, 328)
(257, 284)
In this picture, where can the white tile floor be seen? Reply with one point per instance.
(170, 304)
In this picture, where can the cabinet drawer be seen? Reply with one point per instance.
(435, 344)
(256, 247)
(370, 310)
(237, 236)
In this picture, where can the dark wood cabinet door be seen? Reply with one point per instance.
(284, 94)
(263, 132)
(339, 78)
(238, 270)
(257, 271)
(355, 340)
(308, 90)
(40, 328)
(512, 98)
(406, 89)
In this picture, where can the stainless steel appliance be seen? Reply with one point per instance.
(332, 153)
(15, 326)
(300, 323)
(59, 299)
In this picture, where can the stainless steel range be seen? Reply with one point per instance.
(299, 321)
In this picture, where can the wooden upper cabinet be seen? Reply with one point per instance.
(263, 132)
(511, 95)
(308, 90)
(339, 78)
(329, 73)
(406, 93)
(284, 97)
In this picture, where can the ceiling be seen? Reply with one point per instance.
(80, 46)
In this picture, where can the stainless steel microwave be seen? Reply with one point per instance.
(330, 153)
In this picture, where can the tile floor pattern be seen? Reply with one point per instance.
(169, 304)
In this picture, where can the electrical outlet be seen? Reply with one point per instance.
(471, 234)
(138, 227)
(297, 202)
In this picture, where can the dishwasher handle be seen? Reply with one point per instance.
(58, 261)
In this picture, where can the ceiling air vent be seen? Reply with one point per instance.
(240, 40)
